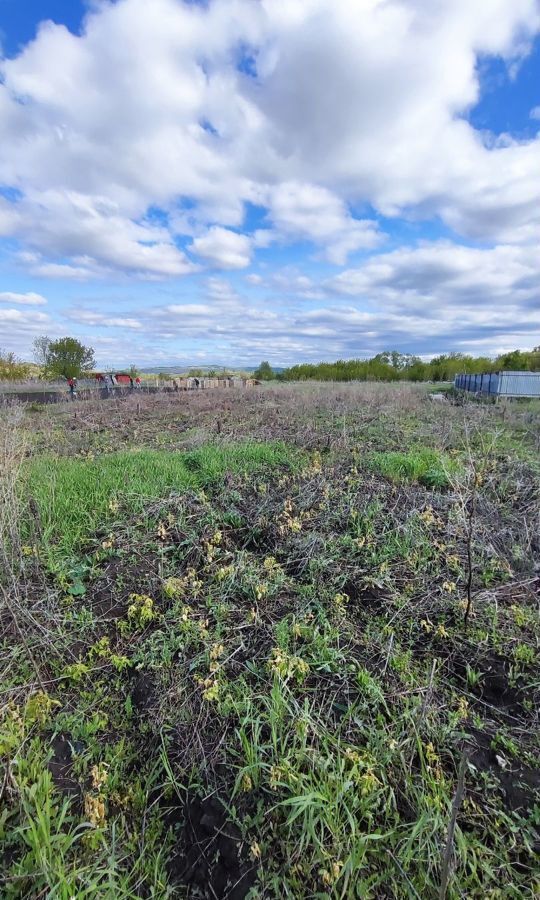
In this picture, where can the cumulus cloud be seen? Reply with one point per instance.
(155, 144)
(223, 249)
(333, 108)
(446, 272)
(28, 299)
(93, 233)
(18, 328)
(308, 212)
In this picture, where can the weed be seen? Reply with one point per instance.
(243, 668)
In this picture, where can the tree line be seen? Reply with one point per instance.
(68, 358)
(394, 366)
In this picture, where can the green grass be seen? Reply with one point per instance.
(305, 668)
(422, 465)
(74, 496)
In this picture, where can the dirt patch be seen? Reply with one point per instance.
(519, 784)
(211, 856)
(61, 766)
(143, 692)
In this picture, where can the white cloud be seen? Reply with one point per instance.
(344, 109)
(444, 271)
(90, 317)
(28, 299)
(223, 249)
(96, 236)
(221, 290)
(535, 113)
(308, 212)
(21, 317)
(112, 160)
(18, 328)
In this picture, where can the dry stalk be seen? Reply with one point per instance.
(449, 847)
(12, 451)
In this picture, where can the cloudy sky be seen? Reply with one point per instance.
(293, 180)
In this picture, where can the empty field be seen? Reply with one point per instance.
(266, 644)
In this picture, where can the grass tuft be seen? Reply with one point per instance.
(75, 497)
(422, 465)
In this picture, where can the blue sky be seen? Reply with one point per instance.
(292, 180)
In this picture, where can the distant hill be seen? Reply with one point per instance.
(179, 368)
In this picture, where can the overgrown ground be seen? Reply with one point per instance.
(237, 659)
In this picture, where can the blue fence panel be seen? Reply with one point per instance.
(520, 384)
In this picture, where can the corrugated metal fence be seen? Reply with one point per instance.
(500, 384)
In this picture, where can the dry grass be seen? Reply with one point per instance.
(267, 683)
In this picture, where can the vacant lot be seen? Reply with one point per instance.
(270, 643)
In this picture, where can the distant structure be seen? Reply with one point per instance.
(500, 384)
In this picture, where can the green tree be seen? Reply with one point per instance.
(264, 372)
(516, 361)
(68, 358)
(534, 364)
(11, 368)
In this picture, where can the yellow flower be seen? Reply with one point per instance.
(99, 775)
(449, 586)
(141, 610)
(352, 755)
(278, 776)
(211, 692)
(368, 781)
(114, 505)
(255, 850)
(217, 651)
(287, 666)
(330, 876)
(94, 810)
(174, 587)
(261, 591)
(247, 783)
(431, 755)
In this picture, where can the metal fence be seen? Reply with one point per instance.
(500, 384)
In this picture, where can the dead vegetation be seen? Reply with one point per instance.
(314, 677)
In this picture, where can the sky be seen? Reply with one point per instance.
(228, 181)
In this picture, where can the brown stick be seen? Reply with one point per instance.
(449, 848)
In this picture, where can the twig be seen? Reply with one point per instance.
(449, 848)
